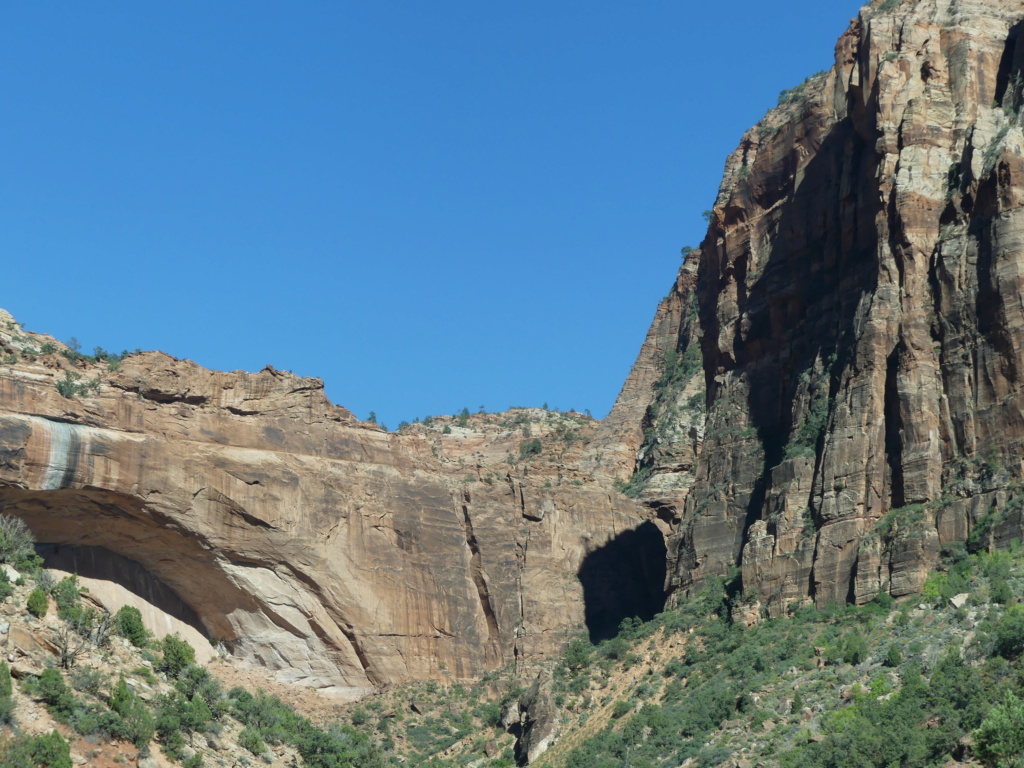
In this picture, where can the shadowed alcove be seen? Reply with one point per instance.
(110, 537)
(100, 563)
(623, 579)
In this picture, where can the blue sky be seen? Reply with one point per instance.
(430, 206)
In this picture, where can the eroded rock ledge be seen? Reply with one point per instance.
(322, 547)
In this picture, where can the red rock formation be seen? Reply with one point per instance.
(858, 310)
(655, 428)
(860, 303)
(314, 544)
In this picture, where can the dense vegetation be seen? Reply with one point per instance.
(880, 685)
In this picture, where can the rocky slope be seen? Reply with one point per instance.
(340, 555)
(861, 321)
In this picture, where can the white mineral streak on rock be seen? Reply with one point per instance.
(60, 437)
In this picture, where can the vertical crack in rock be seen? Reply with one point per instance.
(364, 661)
(893, 430)
(521, 550)
(1008, 88)
(476, 570)
(346, 627)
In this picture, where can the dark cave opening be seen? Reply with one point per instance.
(623, 579)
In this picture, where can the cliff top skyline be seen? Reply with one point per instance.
(430, 210)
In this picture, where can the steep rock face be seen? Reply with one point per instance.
(324, 548)
(653, 435)
(862, 324)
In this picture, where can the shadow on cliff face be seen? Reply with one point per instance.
(622, 579)
(824, 259)
(141, 552)
(101, 563)
(799, 311)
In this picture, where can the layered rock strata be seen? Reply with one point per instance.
(861, 316)
(829, 397)
(322, 547)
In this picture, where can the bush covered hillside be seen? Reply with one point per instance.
(920, 682)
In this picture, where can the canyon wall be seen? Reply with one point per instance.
(861, 318)
(828, 399)
(337, 554)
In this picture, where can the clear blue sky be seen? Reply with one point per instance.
(428, 205)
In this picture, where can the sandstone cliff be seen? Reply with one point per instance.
(654, 431)
(829, 396)
(861, 319)
(322, 547)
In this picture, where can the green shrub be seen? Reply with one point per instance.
(805, 439)
(1009, 633)
(1000, 592)
(168, 729)
(488, 713)
(577, 655)
(91, 719)
(936, 586)
(251, 740)
(855, 649)
(1000, 736)
(195, 680)
(88, 680)
(129, 624)
(530, 448)
(337, 747)
(18, 751)
(6, 686)
(6, 588)
(54, 692)
(893, 657)
(138, 722)
(6, 695)
(178, 654)
(51, 750)
(16, 540)
(616, 648)
(275, 720)
(268, 718)
(69, 386)
(175, 714)
(37, 603)
(68, 596)
(7, 707)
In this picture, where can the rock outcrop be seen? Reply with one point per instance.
(829, 397)
(537, 726)
(322, 547)
(861, 319)
(653, 435)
